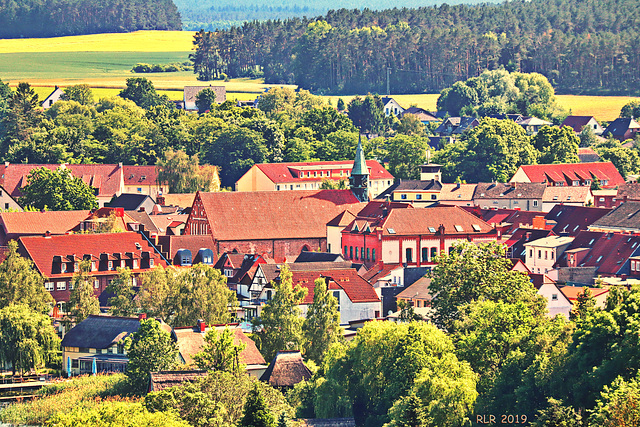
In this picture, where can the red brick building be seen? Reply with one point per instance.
(58, 258)
(278, 224)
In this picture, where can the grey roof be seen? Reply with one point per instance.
(144, 219)
(625, 216)
(100, 331)
(619, 126)
(418, 290)
(308, 256)
(128, 201)
(522, 190)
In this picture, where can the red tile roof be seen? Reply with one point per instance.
(140, 175)
(289, 172)
(15, 224)
(574, 171)
(577, 122)
(573, 219)
(41, 250)
(274, 214)
(572, 292)
(107, 179)
(356, 288)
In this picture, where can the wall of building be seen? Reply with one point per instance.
(74, 354)
(278, 248)
(557, 303)
(350, 311)
(255, 180)
(579, 275)
(522, 204)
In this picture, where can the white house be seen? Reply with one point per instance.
(391, 106)
(52, 98)
(542, 254)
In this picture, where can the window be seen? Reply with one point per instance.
(110, 265)
(356, 251)
(554, 297)
(539, 254)
(425, 254)
(601, 199)
(151, 262)
(48, 286)
(278, 187)
(96, 283)
(409, 255)
(373, 254)
(546, 255)
(6, 205)
(403, 196)
(135, 263)
(61, 286)
(552, 254)
(350, 252)
(418, 196)
(70, 285)
(434, 253)
(368, 254)
(346, 251)
(535, 203)
(434, 197)
(362, 254)
(139, 189)
(531, 253)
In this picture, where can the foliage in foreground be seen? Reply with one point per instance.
(80, 393)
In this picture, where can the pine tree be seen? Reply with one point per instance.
(321, 328)
(256, 413)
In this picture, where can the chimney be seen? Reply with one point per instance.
(119, 212)
(47, 233)
(142, 209)
(160, 200)
(201, 326)
(513, 184)
(623, 277)
(142, 316)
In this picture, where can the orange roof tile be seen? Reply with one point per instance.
(137, 175)
(356, 288)
(574, 171)
(16, 224)
(288, 172)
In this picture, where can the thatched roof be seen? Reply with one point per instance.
(165, 379)
(286, 370)
(98, 331)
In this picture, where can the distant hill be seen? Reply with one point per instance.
(218, 14)
(51, 18)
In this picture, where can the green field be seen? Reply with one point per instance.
(104, 61)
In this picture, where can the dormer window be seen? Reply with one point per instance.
(76, 266)
(63, 267)
(93, 266)
(110, 265)
(151, 262)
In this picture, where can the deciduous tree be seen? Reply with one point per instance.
(57, 190)
(81, 93)
(220, 353)
(82, 300)
(123, 302)
(183, 173)
(321, 327)
(256, 411)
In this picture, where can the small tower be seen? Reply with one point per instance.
(359, 179)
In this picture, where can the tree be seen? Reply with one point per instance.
(457, 98)
(407, 313)
(256, 411)
(367, 114)
(183, 174)
(149, 349)
(408, 412)
(341, 106)
(406, 155)
(410, 125)
(281, 318)
(220, 353)
(587, 137)
(619, 404)
(557, 145)
(205, 100)
(82, 300)
(330, 184)
(470, 273)
(27, 339)
(557, 415)
(235, 149)
(585, 303)
(20, 283)
(24, 99)
(57, 190)
(81, 93)
(206, 60)
(631, 109)
(141, 91)
(123, 303)
(626, 160)
(116, 413)
(321, 327)
(158, 287)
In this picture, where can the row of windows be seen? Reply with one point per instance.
(364, 254)
(547, 254)
(418, 197)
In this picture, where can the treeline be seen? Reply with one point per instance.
(51, 18)
(582, 46)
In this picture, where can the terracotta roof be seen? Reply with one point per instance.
(343, 218)
(577, 122)
(418, 290)
(107, 179)
(145, 219)
(457, 192)
(162, 222)
(274, 214)
(573, 219)
(190, 341)
(524, 235)
(379, 270)
(165, 379)
(566, 194)
(426, 221)
(587, 155)
(572, 292)
(182, 200)
(98, 331)
(30, 223)
(286, 370)
(357, 288)
(41, 250)
(170, 245)
(521, 190)
(290, 172)
(574, 171)
(140, 175)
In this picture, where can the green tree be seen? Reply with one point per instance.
(458, 98)
(472, 272)
(281, 318)
(115, 413)
(585, 303)
(256, 411)
(24, 99)
(81, 93)
(220, 353)
(123, 302)
(325, 120)
(82, 300)
(235, 150)
(407, 313)
(205, 100)
(626, 160)
(367, 114)
(330, 184)
(183, 173)
(619, 404)
(587, 137)
(557, 145)
(27, 339)
(631, 109)
(410, 125)
(321, 327)
(408, 412)
(158, 288)
(57, 190)
(557, 415)
(406, 155)
(341, 105)
(149, 349)
(141, 91)
(206, 60)
(20, 283)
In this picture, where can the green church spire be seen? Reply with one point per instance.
(359, 179)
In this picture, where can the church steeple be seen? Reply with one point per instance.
(359, 179)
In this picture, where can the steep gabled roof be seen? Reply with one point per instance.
(624, 217)
(308, 256)
(290, 172)
(172, 244)
(190, 341)
(573, 219)
(572, 292)
(587, 155)
(620, 126)
(274, 214)
(286, 370)
(129, 201)
(30, 223)
(379, 270)
(566, 194)
(98, 331)
(577, 122)
(357, 288)
(457, 192)
(630, 190)
(562, 172)
(191, 92)
(497, 190)
(418, 290)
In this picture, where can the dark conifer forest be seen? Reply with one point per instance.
(50, 18)
(582, 46)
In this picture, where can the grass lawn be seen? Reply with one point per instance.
(104, 61)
